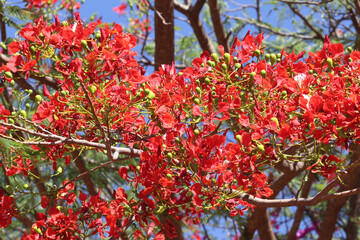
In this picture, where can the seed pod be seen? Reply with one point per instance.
(8, 75)
(92, 89)
(41, 36)
(267, 57)
(32, 49)
(198, 90)
(215, 57)
(151, 95)
(258, 52)
(211, 63)
(263, 73)
(227, 58)
(98, 35)
(23, 113)
(329, 62)
(273, 58)
(38, 98)
(252, 75)
(84, 44)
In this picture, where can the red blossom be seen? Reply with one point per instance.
(6, 209)
(120, 9)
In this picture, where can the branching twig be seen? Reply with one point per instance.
(271, 29)
(305, 2)
(71, 141)
(97, 122)
(306, 21)
(49, 81)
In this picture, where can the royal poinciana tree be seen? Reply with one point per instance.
(91, 146)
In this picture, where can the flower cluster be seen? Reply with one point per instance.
(202, 136)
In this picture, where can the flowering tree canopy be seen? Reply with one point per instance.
(181, 143)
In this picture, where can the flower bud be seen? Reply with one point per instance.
(215, 57)
(227, 58)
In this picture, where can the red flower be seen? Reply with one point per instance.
(6, 209)
(120, 9)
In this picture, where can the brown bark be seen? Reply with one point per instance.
(259, 220)
(164, 217)
(334, 206)
(193, 15)
(290, 170)
(351, 228)
(354, 16)
(39, 184)
(164, 32)
(80, 165)
(217, 24)
(300, 210)
(164, 54)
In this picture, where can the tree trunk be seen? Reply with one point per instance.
(164, 32)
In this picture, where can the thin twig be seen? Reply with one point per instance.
(70, 141)
(271, 29)
(305, 2)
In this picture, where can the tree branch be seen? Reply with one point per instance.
(218, 25)
(334, 206)
(291, 235)
(71, 141)
(80, 165)
(193, 14)
(164, 34)
(197, 7)
(271, 29)
(311, 201)
(307, 23)
(49, 81)
(305, 2)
